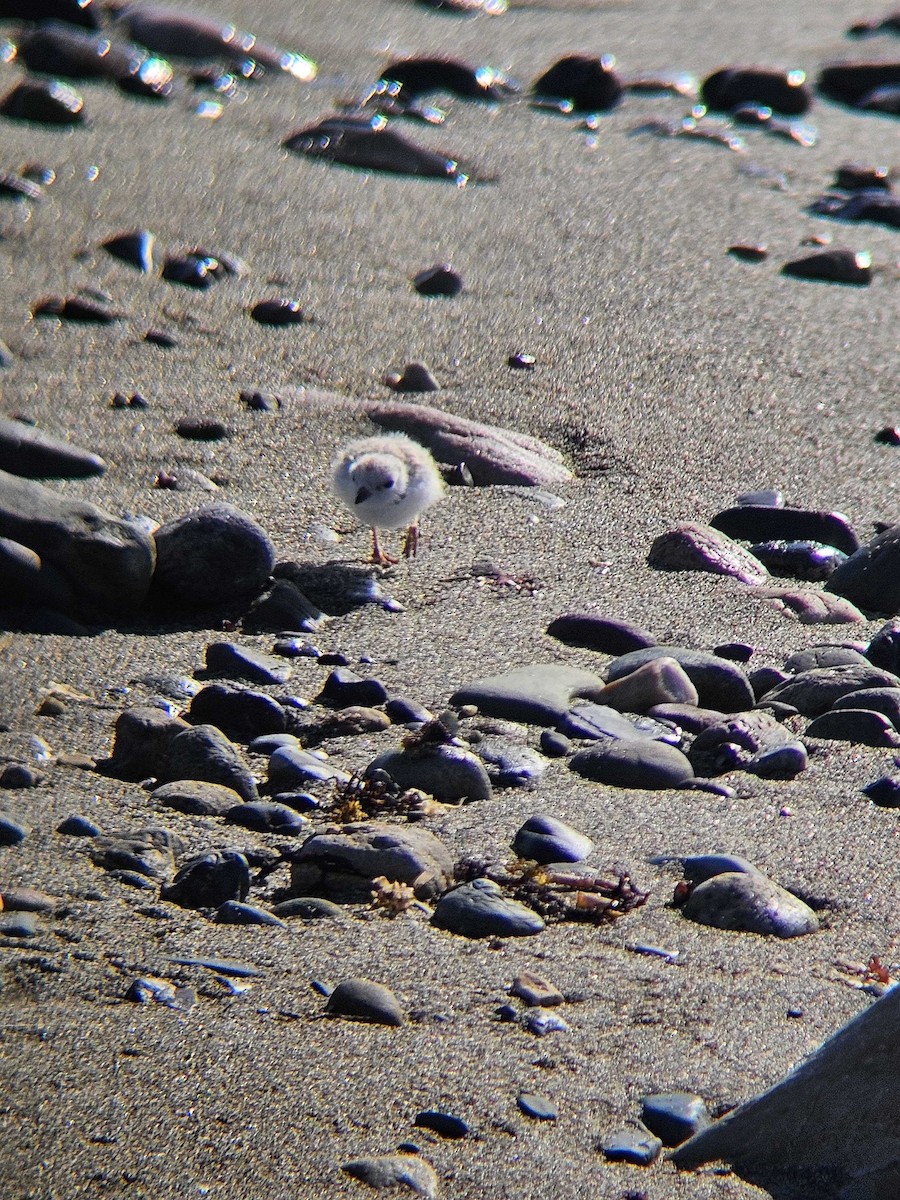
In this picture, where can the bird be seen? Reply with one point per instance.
(388, 482)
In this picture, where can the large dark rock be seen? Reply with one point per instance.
(212, 557)
(109, 563)
(870, 578)
(340, 865)
(25, 450)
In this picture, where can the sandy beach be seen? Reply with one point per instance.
(671, 376)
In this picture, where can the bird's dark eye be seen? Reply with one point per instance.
(388, 483)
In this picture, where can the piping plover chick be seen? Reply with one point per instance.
(387, 482)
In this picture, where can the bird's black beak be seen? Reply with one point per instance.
(361, 495)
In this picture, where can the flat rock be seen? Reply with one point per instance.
(511, 765)
(752, 903)
(149, 852)
(674, 1116)
(28, 580)
(539, 694)
(829, 1128)
(811, 608)
(608, 635)
(365, 1001)
(479, 909)
(545, 839)
(245, 662)
(870, 578)
(814, 692)
(885, 700)
(600, 723)
(340, 864)
(240, 713)
(763, 523)
(642, 764)
(536, 991)
(203, 752)
(292, 767)
(862, 726)
(633, 1144)
(720, 684)
(197, 798)
(109, 563)
(393, 1172)
(141, 741)
(691, 546)
(451, 774)
(214, 554)
(660, 681)
(265, 816)
(28, 451)
(817, 657)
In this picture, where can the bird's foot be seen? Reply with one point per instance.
(411, 544)
(379, 557)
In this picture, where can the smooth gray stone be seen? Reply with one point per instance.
(720, 684)
(268, 743)
(78, 826)
(150, 852)
(884, 791)
(344, 688)
(762, 523)
(763, 679)
(829, 1128)
(234, 912)
(601, 723)
(142, 737)
(390, 1172)
(884, 648)
(638, 764)
(449, 773)
(11, 832)
(780, 762)
(197, 798)
(109, 563)
(244, 662)
(691, 546)
(608, 635)
(34, 454)
(28, 580)
(631, 1144)
(544, 839)
(540, 1108)
(674, 1116)
(884, 700)
(241, 714)
(752, 903)
(291, 767)
(265, 816)
(341, 865)
(479, 909)
(211, 556)
(203, 752)
(814, 692)
(689, 717)
(282, 606)
(817, 657)
(492, 455)
(509, 765)
(19, 925)
(698, 867)
(862, 726)
(208, 880)
(365, 1001)
(870, 578)
(308, 908)
(539, 694)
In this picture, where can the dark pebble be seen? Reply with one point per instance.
(75, 308)
(190, 271)
(586, 84)
(11, 832)
(202, 429)
(309, 908)
(545, 839)
(44, 101)
(244, 662)
(440, 280)
(749, 902)
(34, 454)
(415, 377)
(444, 1124)
(77, 826)
(749, 253)
(203, 752)
(799, 559)
(265, 816)
(880, 700)
(479, 909)
(278, 312)
(888, 436)
(449, 773)
(521, 362)
(19, 925)
(158, 337)
(404, 711)
(540, 1108)
(720, 684)
(635, 1145)
(233, 912)
(870, 578)
(609, 635)
(885, 792)
(554, 744)
(645, 764)
(344, 687)
(364, 1000)
(861, 726)
(241, 714)
(674, 1116)
(221, 966)
(833, 266)
(817, 657)
(884, 648)
(850, 82)
(762, 522)
(210, 879)
(738, 652)
(785, 92)
(135, 248)
(19, 776)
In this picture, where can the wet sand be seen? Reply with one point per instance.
(673, 376)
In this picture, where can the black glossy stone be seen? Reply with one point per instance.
(588, 84)
(784, 92)
(209, 880)
(760, 523)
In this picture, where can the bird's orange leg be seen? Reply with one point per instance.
(378, 555)
(411, 545)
